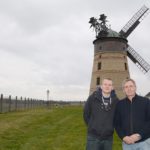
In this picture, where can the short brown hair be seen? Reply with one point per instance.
(107, 79)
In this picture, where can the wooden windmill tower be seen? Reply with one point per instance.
(111, 50)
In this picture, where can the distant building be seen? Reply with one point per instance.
(148, 95)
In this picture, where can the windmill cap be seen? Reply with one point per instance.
(112, 33)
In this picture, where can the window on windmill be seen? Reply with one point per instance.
(125, 64)
(124, 48)
(99, 66)
(100, 47)
(98, 81)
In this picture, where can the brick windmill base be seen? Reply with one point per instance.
(110, 61)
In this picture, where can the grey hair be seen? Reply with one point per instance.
(127, 80)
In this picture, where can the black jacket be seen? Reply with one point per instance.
(133, 117)
(99, 120)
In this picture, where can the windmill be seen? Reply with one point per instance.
(111, 50)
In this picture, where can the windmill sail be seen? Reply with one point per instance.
(134, 22)
(138, 60)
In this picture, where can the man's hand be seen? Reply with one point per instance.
(135, 137)
(128, 140)
(132, 138)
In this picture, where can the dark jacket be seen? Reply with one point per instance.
(99, 120)
(133, 117)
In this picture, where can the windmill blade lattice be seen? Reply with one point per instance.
(138, 60)
(134, 22)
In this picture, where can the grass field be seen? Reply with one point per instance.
(45, 129)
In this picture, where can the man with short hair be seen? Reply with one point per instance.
(132, 119)
(98, 115)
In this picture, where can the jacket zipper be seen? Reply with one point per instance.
(131, 119)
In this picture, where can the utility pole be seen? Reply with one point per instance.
(48, 101)
(48, 92)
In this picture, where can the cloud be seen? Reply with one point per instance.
(48, 45)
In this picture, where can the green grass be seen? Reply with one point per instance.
(45, 129)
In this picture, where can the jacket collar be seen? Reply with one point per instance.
(98, 93)
(133, 99)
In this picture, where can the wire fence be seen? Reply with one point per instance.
(8, 104)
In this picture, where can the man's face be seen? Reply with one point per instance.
(129, 88)
(106, 86)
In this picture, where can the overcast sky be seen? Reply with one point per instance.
(47, 44)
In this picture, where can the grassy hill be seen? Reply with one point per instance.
(45, 129)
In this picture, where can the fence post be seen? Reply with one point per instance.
(21, 103)
(16, 103)
(28, 103)
(1, 103)
(25, 103)
(31, 102)
(9, 103)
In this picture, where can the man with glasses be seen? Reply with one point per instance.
(132, 119)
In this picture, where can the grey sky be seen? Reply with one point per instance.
(47, 44)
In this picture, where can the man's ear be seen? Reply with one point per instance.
(124, 91)
(100, 86)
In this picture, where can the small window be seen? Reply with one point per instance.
(125, 64)
(124, 48)
(98, 81)
(100, 48)
(99, 66)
